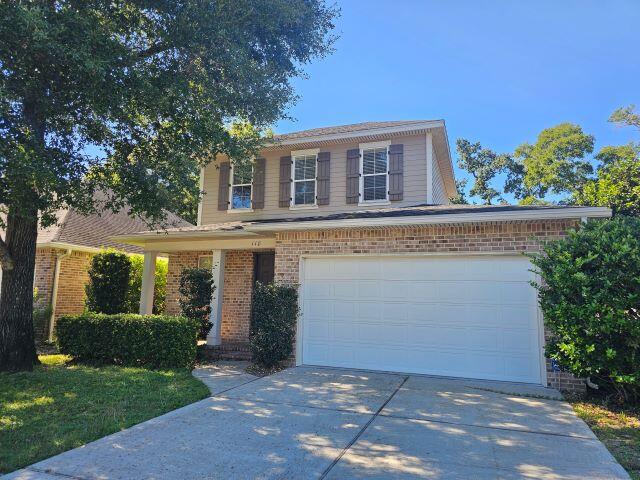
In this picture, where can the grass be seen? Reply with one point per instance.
(60, 406)
(618, 428)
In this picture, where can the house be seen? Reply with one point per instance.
(63, 255)
(391, 276)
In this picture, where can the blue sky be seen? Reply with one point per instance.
(498, 72)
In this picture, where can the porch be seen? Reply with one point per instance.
(236, 264)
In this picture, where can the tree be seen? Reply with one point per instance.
(626, 116)
(152, 87)
(553, 164)
(461, 196)
(108, 284)
(483, 164)
(618, 182)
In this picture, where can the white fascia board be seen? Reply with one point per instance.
(142, 238)
(69, 246)
(551, 214)
(359, 133)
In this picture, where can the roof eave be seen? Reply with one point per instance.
(356, 134)
(434, 219)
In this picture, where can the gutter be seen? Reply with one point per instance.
(54, 290)
(434, 219)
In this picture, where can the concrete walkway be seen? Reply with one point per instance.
(319, 423)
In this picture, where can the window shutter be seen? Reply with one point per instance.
(396, 174)
(324, 159)
(353, 176)
(257, 193)
(223, 186)
(285, 182)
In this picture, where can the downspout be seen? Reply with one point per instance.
(54, 290)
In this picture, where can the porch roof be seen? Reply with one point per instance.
(259, 232)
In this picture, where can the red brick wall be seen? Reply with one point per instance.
(71, 283)
(236, 298)
(480, 237)
(73, 278)
(236, 295)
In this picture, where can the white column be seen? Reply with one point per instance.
(429, 155)
(217, 270)
(148, 283)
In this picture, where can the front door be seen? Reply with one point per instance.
(264, 267)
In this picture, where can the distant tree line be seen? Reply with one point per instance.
(557, 168)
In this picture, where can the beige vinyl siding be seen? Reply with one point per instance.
(439, 191)
(415, 184)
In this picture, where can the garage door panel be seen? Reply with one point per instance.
(434, 315)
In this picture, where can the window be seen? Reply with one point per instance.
(304, 179)
(241, 177)
(374, 186)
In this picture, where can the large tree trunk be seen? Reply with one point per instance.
(17, 346)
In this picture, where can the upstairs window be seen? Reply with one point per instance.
(241, 184)
(304, 180)
(374, 169)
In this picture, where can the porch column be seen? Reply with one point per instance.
(217, 271)
(148, 283)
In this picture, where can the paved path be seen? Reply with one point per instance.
(317, 423)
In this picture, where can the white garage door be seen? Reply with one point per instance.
(467, 316)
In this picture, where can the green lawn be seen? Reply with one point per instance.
(58, 406)
(618, 429)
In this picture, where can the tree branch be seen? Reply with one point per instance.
(6, 261)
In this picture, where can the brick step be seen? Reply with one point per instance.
(226, 351)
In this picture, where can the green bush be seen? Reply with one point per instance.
(108, 282)
(590, 298)
(155, 341)
(135, 285)
(274, 311)
(196, 288)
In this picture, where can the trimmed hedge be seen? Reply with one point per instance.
(155, 341)
(274, 312)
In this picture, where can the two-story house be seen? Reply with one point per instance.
(390, 275)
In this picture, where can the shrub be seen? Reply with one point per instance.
(154, 341)
(274, 312)
(590, 297)
(108, 282)
(135, 285)
(196, 288)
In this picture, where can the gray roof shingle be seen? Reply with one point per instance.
(354, 127)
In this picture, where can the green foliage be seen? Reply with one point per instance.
(461, 196)
(626, 116)
(154, 341)
(274, 311)
(135, 284)
(617, 185)
(196, 289)
(41, 314)
(154, 85)
(108, 282)
(59, 405)
(483, 164)
(553, 164)
(590, 298)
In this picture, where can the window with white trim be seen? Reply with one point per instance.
(241, 185)
(374, 185)
(304, 179)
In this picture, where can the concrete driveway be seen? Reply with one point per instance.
(310, 423)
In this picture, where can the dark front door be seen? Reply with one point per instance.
(265, 264)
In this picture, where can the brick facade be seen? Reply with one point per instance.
(236, 295)
(71, 283)
(518, 236)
